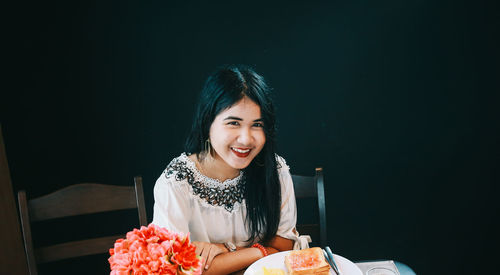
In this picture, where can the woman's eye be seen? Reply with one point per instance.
(235, 123)
(258, 124)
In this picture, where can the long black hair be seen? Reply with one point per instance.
(223, 88)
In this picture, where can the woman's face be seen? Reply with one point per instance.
(237, 134)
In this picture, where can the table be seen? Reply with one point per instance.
(397, 268)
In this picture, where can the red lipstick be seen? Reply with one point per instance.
(240, 154)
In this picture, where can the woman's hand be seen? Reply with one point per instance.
(208, 251)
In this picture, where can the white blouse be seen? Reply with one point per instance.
(210, 210)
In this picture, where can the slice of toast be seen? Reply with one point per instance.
(307, 261)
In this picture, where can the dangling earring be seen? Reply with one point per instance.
(208, 147)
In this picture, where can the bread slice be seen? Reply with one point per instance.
(307, 261)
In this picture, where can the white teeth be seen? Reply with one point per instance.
(241, 151)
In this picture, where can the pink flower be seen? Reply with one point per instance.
(154, 250)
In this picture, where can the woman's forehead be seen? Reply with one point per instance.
(245, 108)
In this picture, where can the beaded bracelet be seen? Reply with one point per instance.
(261, 248)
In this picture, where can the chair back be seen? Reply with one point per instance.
(78, 199)
(307, 187)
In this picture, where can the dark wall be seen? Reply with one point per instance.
(397, 100)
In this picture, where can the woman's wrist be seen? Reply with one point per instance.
(222, 247)
(262, 249)
(230, 247)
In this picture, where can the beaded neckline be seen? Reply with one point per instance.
(211, 182)
(224, 194)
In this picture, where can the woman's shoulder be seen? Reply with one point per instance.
(178, 164)
(178, 170)
(280, 161)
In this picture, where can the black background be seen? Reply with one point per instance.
(397, 100)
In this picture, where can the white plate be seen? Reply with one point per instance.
(277, 260)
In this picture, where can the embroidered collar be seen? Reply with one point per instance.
(212, 191)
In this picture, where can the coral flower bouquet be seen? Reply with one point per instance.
(154, 250)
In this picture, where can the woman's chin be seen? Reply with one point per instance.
(241, 163)
(240, 166)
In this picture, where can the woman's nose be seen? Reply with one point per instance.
(245, 136)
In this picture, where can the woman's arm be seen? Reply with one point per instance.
(229, 262)
(278, 244)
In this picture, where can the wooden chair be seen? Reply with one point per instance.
(307, 187)
(78, 199)
(12, 256)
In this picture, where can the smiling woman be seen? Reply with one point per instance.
(237, 136)
(230, 190)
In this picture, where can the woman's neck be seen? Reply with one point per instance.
(215, 168)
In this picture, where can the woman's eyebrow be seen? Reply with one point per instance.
(240, 119)
(233, 118)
